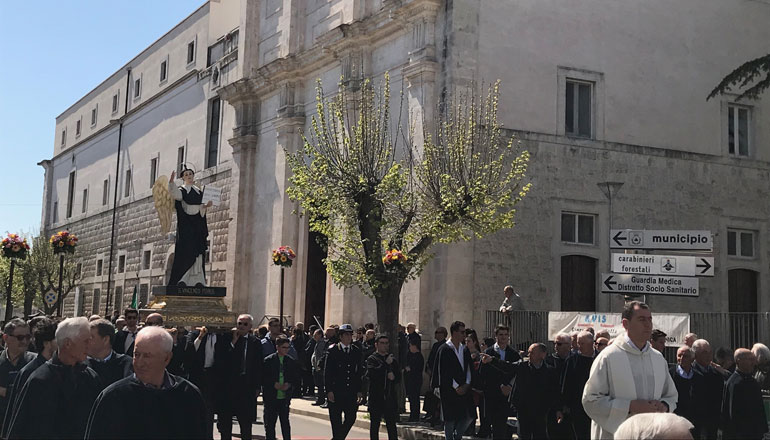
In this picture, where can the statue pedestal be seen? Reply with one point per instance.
(191, 307)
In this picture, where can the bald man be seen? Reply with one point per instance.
(151, 403)
(743, 414)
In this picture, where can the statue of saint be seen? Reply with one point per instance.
(191, 228)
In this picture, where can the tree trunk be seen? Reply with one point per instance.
(29, 297)
(388, 303)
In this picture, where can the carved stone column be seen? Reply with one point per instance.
(242, 258)
(287, 225)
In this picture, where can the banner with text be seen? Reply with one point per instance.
(675, 325)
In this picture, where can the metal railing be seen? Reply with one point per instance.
(721, 329)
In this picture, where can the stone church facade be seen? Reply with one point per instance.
(600, 91)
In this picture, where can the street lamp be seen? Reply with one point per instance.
(609, 189)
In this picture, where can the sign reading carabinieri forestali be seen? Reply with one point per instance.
(678, 265)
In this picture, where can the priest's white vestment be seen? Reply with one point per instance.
(622, 373)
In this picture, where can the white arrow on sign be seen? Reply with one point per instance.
(673, 240)
(679, 265)
(649, 285)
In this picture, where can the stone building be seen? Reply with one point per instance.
(598, 91)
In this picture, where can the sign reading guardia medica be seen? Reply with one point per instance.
(675, 325)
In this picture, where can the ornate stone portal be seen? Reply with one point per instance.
(191, 307)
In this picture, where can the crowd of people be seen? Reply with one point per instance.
(78, 378)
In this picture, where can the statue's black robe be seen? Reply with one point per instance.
(129, 409)
(114, 369)
(743, 414)
(191, 233)
(55, 402)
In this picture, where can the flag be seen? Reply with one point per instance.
(133, 298)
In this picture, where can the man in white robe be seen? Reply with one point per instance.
(626, 379)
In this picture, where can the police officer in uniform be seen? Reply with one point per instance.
(342, 376)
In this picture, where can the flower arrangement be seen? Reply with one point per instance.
(283, 256)
(394, 256)
(15, 247)
(63, 241)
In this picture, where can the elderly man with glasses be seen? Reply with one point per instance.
(240, 366)
(16, 336)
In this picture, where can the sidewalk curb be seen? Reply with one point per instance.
(408, 432)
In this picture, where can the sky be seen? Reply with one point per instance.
(53, 53)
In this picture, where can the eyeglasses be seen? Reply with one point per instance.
(561, 343)
(243, 323)
(601, 344)
(21, 338)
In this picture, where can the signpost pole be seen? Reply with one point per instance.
(607, 189)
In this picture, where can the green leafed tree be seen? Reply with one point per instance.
(40, 274)
(368, 188)
(752, 77)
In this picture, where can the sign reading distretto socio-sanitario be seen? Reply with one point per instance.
(649, 285)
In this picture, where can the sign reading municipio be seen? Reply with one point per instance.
(649, 285)
(678, 265)
(649, 239)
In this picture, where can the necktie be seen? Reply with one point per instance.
(347, 350)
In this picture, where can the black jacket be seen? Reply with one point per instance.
(119, 343)
(707, 387)
(743, 412)
(413, 377)
(270, 372)
(684, 390)
(65, 394)
(343, 372)
(535, 390)
(446, 372)
(130, 410)
(492, 377)
(382, 391)
(114, 369)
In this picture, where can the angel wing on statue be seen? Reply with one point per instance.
(164, 203)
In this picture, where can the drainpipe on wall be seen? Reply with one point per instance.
(115, 196)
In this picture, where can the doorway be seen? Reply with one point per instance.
(315, 288)
(578, 283)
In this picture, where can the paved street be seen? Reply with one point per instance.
(302, 428)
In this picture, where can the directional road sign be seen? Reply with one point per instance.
(649, 285)
(649, 239)
(679, 265)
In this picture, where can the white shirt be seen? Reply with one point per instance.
(129, 340)
(460, 352)
(208, 359)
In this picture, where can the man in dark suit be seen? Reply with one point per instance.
(495, 383)
(342, 376)
(110, 366)
(280, 378)
(200, 363)
(707, 386)
(124, 339)
(240, 366)
(431, 404)
(383, 374)
(452, 376)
